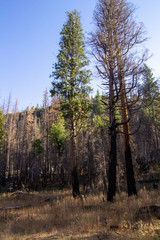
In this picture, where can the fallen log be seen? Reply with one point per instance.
(9, 208)
(27, 206)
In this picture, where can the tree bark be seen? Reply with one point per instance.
(113, 140)
(131, 185)
(74, 170)
(112, 164)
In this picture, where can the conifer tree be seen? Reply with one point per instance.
(151, 97)
(70, 83)
(58, 134)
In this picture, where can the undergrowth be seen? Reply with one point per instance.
(55, 213)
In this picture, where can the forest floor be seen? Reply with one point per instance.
(52, 215)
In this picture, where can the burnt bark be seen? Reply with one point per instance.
(112, 164)
(75, 183)
(131, 185)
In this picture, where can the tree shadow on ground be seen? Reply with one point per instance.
(91, 237)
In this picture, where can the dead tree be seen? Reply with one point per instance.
(114, 44)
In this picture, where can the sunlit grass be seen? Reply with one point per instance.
(56, 213)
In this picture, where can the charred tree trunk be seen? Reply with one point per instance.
(112, 164)
(130, 173)
(113, 139)
(75, 182)
(127, 149)
(131, 184)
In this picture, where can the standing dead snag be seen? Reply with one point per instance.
(114, 43)
(112, 163)
(125, 122)
(127, 149)
(113, 137)
(127, 36)
(102, 43)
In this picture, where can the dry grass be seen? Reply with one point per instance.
(90, 217)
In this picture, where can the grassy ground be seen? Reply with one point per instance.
(56, 215)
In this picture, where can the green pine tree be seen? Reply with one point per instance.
(151, 98)
(100, 119)
(58, 134)
(150, 89)
(71, 79)
(37, 148)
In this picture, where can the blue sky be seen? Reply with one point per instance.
(29, 38)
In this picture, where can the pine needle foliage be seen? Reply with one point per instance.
(71, 77)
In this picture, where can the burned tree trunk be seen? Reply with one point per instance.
(113, 138)
(114, 44)
(127, 149)
(112, 164)
(130, 173)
